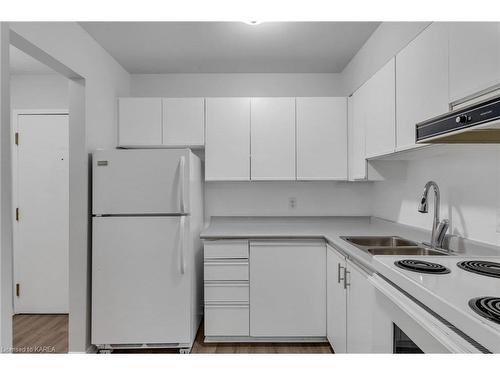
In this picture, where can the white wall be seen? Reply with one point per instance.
(104, 80)
(5, 195)
(468, 181)
(187, 85)
(38, 91)
(271, 198)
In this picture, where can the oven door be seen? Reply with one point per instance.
(402, 344)
(415, 329)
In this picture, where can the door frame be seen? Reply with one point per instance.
(15, 178)
(79, 255)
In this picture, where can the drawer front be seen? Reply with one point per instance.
(226, 292)
(221, 271)
(225, 320)
(229, 249)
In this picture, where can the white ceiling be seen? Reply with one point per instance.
(231, 47)
(21, 63)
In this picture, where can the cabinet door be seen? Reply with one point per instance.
(139, 122)
(380, 117)
(336, 303)
(321, 138)
(227, 149)
(360, 297)
(474, 57)
(357, 161)
(421, 82)
(287, 289)
(184, 122)
(273, 139)
(369, 328)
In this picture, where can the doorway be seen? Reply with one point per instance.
(40, 175)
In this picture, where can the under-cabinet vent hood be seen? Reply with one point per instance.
(477, 123)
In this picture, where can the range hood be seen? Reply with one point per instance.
(477, 123)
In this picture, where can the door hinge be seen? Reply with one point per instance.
(18, 289)
(16, 137)
(17, 213)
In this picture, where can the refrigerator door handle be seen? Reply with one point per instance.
(181, 244)
(182, 164)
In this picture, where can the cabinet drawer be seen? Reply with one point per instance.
(227, 320)
(228, 249)
(220, 271)
(229, 292)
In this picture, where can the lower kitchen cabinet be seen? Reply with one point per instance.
(287, 289)
(226, 288)
(336, 301)
(356, 322)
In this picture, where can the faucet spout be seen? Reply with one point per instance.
(423, 208)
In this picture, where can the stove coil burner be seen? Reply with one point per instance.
(487, 307)
(481, 267)
(422, 266)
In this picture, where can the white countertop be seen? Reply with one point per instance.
(330, 228)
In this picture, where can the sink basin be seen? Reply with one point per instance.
(410, 250)
(385, 241)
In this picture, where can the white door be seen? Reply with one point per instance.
(139, 291)
(140, 181)
(474, 57)
(336, 301)
(273, 139)
(287, 289)
(321, 138)
(421, 82)
(139, 122)
(380, 117)
(184, 122)
(41, 240)
(227, 149)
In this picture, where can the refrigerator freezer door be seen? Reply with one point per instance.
(140, 182)
(139, 291)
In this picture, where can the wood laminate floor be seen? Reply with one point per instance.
(48, 333)
(40, 333)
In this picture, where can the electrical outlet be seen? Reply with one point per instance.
(292, 202)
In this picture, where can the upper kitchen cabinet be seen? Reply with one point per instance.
(474, 57)
(156, 122)
(321, 138)
(184, 122)
(140, 122)
(273, 139)
(356, 117)
(227, 149)
(380, 111)
(421, 82)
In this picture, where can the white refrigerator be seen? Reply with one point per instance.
(146, 249)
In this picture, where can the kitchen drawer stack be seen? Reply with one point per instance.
(227, 310)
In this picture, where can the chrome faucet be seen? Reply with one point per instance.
(439, 228)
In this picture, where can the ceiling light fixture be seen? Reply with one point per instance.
(253, 23)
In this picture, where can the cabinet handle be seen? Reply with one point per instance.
(346, 283)
(339, 278)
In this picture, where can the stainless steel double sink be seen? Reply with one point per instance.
(390, 245)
